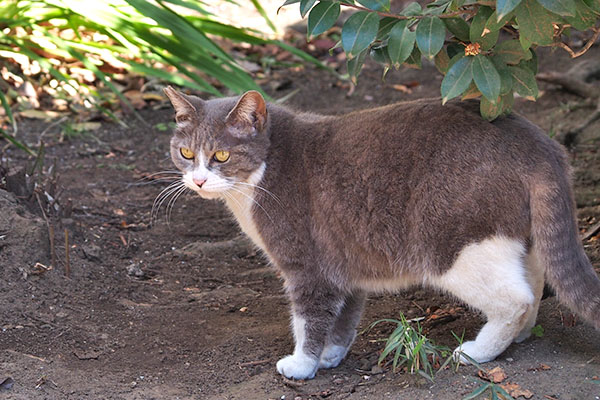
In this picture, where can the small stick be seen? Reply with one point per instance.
(52, 248)
(253, 363)
(591, 232)
(67, 257)
(50, 232)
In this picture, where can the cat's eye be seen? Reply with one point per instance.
(221, 156)
(186, 153)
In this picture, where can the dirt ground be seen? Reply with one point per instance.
(188, 310)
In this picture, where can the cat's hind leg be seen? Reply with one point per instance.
(344, 331)
(491, 276)
(535, 277)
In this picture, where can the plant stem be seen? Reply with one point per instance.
(386, 14)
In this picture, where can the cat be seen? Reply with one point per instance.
(412, 193)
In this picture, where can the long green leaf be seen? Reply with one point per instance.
(400, 43)
(359, 31)
(322, 17)
(457, 79)
(535, 22)
(486, 77)
(430, 35)
(263, 14)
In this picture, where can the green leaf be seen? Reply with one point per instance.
(507, 102)
(584, 16)
(524, 82)
(490, 110)
(455, 58)
(477, 392)
(566, 8)
(412, 9)
(359, 31)
(322, 17)
(506, 81)
(535, 23)
(431, 33)
(355, 64)
(414, 61)
(455, 48)
(457, 79)
(593, 4)
(531, 64)
(385, 26)
(486, 77)
(381, 55)
(538, 331)
(494, 24)
(400, 43)
(16, 142)
(525, 43)
(458, 27)
(442, 61)
(376, 5)
(263, 14)
(503, 7)
(488, 39)
(511, 52)
(305, 6)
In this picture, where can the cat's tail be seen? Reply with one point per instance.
(557, 245)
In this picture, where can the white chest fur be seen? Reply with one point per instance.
(241, 201)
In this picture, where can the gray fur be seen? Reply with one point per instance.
(393, 194)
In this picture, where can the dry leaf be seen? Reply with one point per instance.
(40, 114)
(402, 88)
(516, 391)
(153, 96)
(495, 375)
(86, 126)
(541, 367)
(136, 98)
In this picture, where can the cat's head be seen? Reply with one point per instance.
(219, 143)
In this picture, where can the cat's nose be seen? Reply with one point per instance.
(199, 182)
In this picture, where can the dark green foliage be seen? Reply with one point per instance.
(463, 38)
(153, 39)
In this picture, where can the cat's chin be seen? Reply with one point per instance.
(208, 195)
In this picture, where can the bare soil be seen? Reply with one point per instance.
(188, 310)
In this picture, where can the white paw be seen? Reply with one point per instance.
(298, 366)
(472, 350)
(332, 356)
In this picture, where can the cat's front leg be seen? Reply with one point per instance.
(314, 312)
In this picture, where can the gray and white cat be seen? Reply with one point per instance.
(408, 194)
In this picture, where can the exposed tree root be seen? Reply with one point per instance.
(577, 81)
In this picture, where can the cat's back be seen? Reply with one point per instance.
(419, 172)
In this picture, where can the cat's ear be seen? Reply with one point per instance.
(249, 115)
(184, 109)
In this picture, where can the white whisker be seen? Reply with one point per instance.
(261, 188)
(162, 196)
(254, 201)
(171, 203)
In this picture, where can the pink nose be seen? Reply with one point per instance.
(199, 182)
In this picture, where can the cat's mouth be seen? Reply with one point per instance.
(207, 190)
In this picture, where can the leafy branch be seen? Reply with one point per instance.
(462, 37)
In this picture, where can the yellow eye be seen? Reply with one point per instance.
(221, 156)
(186, 153)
